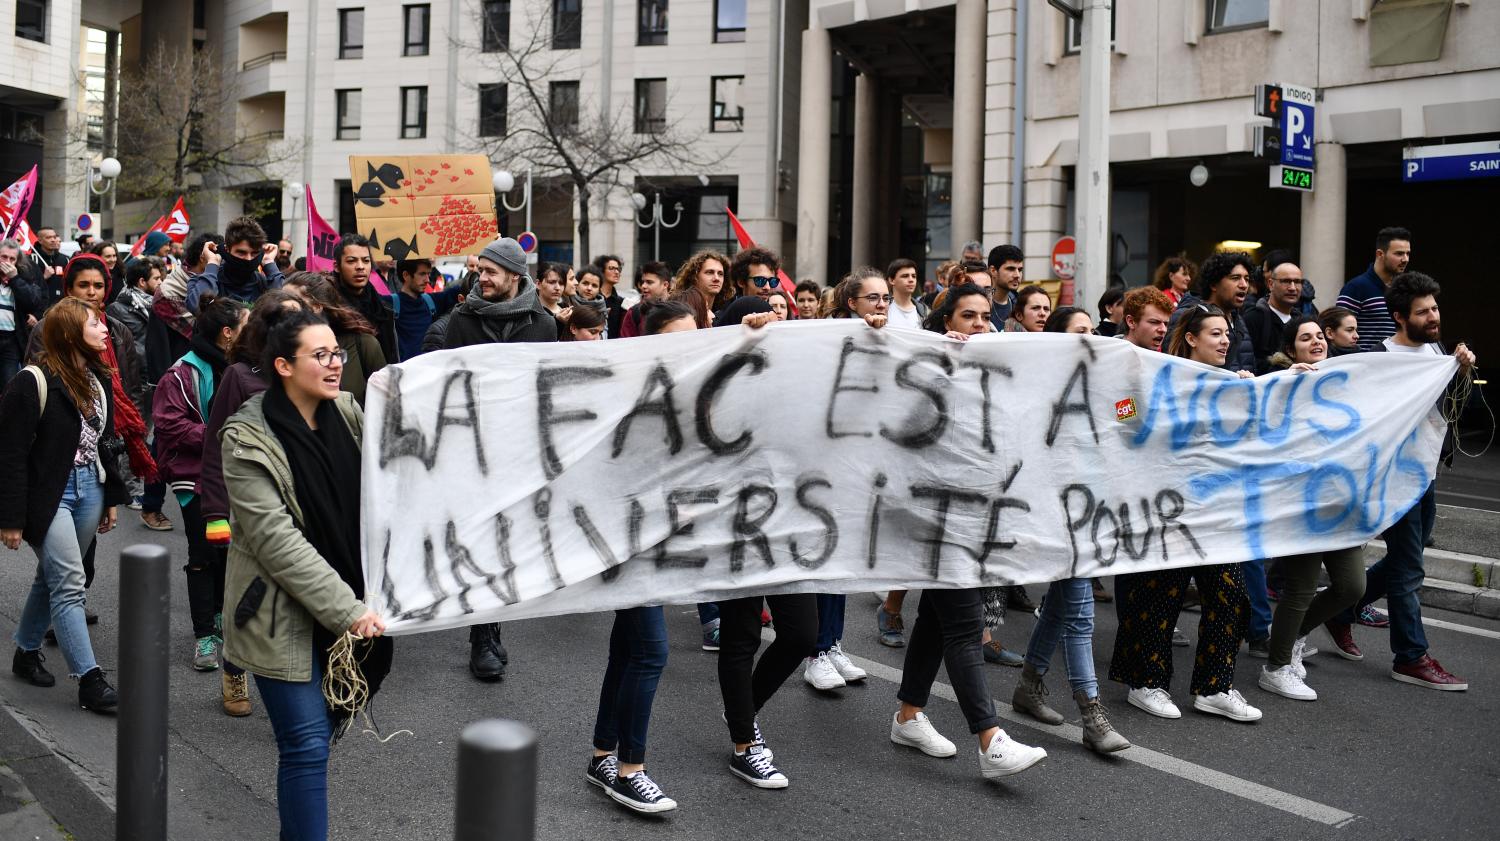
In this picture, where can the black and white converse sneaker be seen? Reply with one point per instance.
(640, 793)
(754, 767)
(603, 770)
(759, 739)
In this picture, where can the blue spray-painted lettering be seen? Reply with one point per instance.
(1163, 397)
(1277, 434)
(1313, 503)
(1328, 403)
(1373, 493)
(1412, 468)
(1221, 437)
(1249, 477)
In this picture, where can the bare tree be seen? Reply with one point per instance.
(582, 145)
(179, 129)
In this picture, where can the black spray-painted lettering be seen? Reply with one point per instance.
(398, 440)
(920, 434)
(597, 542)
(730, 365)
(387, 586)
(753, 507)
(665, 558)
(986, 429)
(849, 349)
(877, 499)
(548, 416)
(805, 486)
(993, 538)
(1067, 405)
(541, 505)
(942, 498)
(652, 403)
(1083, 511)
(506, 590)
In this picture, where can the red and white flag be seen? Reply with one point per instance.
(174, 225)
(15, 203)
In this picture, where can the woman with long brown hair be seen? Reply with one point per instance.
(60, 481)
(355, 333)
(700, 285)
(1175, 276)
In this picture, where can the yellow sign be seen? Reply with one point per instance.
(424, 205)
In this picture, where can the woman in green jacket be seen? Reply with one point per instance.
(292, 470)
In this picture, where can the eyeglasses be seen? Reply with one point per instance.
(765, 281)
(326, 357)
(876, 298)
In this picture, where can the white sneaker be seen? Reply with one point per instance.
(1286, 682)
(845, 667)
(1232, 705)
(1154, 701)
(821, 673)
(920, 734)
(1006, 756)
(1299, 653)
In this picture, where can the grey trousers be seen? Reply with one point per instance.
(1302, 608)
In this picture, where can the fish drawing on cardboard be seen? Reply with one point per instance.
(424, 205)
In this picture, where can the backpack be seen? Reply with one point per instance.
(426, 299)
(41, 388)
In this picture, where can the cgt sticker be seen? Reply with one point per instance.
(1125, 409)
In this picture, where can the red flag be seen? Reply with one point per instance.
(174, 225)
(140, 244)
(15, 203)
(786, 285)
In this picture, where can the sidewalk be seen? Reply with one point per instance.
(41, 796)
(22, 818)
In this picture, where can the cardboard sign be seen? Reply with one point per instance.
(424, 205)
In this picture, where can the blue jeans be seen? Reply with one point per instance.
(57, 592)
(1398, 576)
(637, 656)
(830, 620)
(1067, 616)
(299, 717)
(1260, 602)
(10, 357)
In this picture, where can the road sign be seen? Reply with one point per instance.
(1451, 161)
(85, 222)
(527, 241)
(1292, 178)
(1064, 264)
(1298, 104)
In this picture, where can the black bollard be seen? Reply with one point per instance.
(141, 746)
(496, 782)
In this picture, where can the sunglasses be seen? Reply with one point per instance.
(764, 282)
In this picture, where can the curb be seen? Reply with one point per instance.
(1451, 580)
(54, 782)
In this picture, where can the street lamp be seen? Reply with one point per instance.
(658, 221)
(296, 190)
(102, 180)
(504, 182)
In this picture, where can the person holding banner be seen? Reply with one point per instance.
(651, 282)
(1149, 602)
(292, 468)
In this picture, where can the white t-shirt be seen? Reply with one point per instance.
(897, 317)
(1425, 347)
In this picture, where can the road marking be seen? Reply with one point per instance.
(1181, 768)
(1463, 629)
(1464, 507)
(1470, 496)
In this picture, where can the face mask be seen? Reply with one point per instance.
(237, 269)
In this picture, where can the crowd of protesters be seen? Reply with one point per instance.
(220, 373)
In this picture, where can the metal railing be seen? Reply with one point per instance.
(263, 60)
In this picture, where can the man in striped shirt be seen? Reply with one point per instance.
(1364, 294)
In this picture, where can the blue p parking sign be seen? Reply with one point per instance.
(1298, 106)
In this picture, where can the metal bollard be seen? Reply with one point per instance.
(141, 746)
(497, 768)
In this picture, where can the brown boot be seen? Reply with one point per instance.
(1030, 697)
(236, 690)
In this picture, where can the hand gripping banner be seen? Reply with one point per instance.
(513, 481)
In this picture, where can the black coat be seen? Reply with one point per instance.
(376, 309)
(36, 453)
(1265, 328)
(1241, 356)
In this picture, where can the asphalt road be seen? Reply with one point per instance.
(1372, 759)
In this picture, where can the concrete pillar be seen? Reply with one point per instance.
(863, 205)
(969, 29)
(1324, 216)
(813, 139)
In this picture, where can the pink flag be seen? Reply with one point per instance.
(15, 203)
(321, 240)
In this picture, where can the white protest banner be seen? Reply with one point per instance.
(513, 481)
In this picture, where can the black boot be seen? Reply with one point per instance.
(95, 693)
(27, 665)
(487, 657)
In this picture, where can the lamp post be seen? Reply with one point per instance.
(658, 220)
(296, 190)
(104, 177)
(504, 182)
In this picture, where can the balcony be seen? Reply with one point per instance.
(263, 60)
(262, 55)
(263, 118)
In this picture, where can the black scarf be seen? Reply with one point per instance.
(325, 466)
(214, 356)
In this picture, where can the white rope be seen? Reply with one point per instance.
(344, 685)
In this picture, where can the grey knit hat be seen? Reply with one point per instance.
(507, 254)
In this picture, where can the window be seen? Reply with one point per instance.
(418, 35)
(492, 102)
(728, 112)
(563, 105)
(567, 24)
(31, 20)
(347, 110)
(496, 25)
(650, 106)
(1075, 33)
(413, 113)
(1226, 15)
(651, 28)
(351, 33)
(729, 21)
